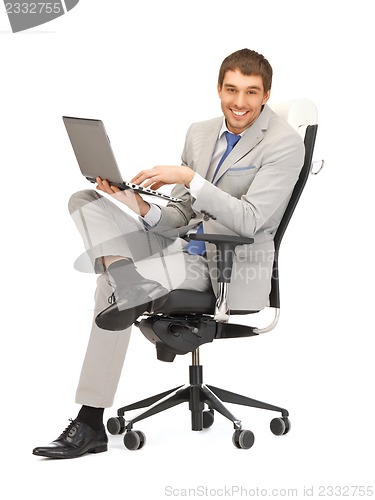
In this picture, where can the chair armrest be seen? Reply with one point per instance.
(225, 245)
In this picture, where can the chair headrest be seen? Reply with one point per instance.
(299, 113)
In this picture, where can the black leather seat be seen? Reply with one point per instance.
(186, 301)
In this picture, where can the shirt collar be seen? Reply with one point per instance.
(224, 129)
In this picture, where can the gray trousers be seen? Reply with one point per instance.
(107, 229)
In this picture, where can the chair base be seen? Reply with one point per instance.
(197, 395)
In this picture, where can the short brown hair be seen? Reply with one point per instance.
(248, 62)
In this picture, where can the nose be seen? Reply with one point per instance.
(239, 100)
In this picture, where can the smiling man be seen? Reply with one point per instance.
(244, 88)
(237, 175)
(242, 99)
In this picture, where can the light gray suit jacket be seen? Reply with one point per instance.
(250, 195)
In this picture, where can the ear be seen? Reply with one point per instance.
(219, 89)
(266, 97)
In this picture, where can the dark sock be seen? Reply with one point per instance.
(91, 416)
(123, 272)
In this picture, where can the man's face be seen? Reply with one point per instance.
(242, 98)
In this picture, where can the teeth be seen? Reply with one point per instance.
(238, 113)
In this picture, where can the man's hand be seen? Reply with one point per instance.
(131, 199)
(153, 178)
(157, 177)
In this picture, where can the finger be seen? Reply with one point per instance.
(157, 185)
(151, 182)
(143, 175)
(99, 184)
(136, 178)
(104, 185)
(107, 187)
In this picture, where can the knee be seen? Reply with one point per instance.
(77, 200)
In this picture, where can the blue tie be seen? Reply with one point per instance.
(199, 247)
(232, 140)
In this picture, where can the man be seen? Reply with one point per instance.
(236, 177)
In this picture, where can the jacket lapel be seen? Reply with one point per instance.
(207, 147)
(252, 136)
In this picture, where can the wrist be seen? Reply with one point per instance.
(144, 209)
(188, 177)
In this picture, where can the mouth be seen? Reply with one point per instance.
(239, 114)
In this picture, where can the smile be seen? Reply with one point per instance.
(238, 113)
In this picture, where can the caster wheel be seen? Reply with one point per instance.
(116, 425)
(243, 439)
(134, 440)
(280, 426)
(208, 418)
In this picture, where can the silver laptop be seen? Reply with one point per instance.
(95, 157)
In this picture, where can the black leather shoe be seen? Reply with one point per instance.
(131, 302)
(76, 440)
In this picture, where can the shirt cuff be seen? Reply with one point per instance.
(153, 216)
(196, 185)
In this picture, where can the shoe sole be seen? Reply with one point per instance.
(97, 449)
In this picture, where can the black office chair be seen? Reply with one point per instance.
(189, 319)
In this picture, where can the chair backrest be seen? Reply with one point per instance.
(302, 115)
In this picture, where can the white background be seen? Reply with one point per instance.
(149, 69)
